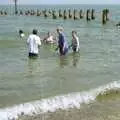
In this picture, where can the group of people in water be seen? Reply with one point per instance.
(34, 42)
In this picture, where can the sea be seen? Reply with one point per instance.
(83, 86)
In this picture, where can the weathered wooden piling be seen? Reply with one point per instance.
(70, 14)
(32, 12)
(93, 14)
(26, 13)
(81, 14)
(16, 11)
(107, 13)
(88, 15)
(38, 13)
(60, 13)
(118, 24)
(104, 16)
(5, 13)
(50, 12)
(54, 16)
(21, 12)
(65, 14)
(1, 12)
(45, 14)
(75, 16)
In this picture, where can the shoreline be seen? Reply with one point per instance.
(95, 111)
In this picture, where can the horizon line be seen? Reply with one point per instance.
(62, 4)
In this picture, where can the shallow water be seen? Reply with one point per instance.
(24, 80)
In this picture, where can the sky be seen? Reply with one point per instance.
(63, 1)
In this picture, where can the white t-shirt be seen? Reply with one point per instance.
(78, 44)
(22, 35)
(33, 43)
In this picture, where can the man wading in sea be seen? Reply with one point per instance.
(33, 44)
(62, 42)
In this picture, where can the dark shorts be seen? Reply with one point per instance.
(63, 52)
(33, 55)
(74, 49)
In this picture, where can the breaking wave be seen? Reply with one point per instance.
(64, 102)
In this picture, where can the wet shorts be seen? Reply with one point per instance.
(33, 55)
(63, 52)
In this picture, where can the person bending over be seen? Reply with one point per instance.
(49, 39)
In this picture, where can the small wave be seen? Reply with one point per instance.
(73, 100)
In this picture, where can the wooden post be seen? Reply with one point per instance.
(81, 14)
(16, 11)
(87, 15)
(21, 13)
(54, 14)
(5, 13)
(1, 12)
(45, 14)
(38, 12)
(65, 14)
(104, 16)
(93, 14)
(60, 13)
(75, 14)
(107, 12)
(70, 14)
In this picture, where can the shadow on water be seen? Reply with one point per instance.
(33, 66)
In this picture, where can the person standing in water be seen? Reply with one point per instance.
(62, 42)
(33, 44)
(50, 38)
(21, 33)
(75, 42)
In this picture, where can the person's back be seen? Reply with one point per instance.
(33, 44)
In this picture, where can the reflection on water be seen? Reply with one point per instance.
(33, 66)
(76, 57)
(65, 60)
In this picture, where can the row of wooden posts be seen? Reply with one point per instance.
(65, 14)
(3, 12)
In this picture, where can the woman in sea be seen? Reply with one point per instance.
(49, 39)
(75, 42)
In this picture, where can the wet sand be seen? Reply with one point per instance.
(107, 110)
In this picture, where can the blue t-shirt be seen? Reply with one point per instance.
(62, 41)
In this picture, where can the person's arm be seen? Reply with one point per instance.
(39, 41)
(28, 40)
(78, 44)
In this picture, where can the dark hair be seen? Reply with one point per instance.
(20, 31)
(74, 32)
(35, 31)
